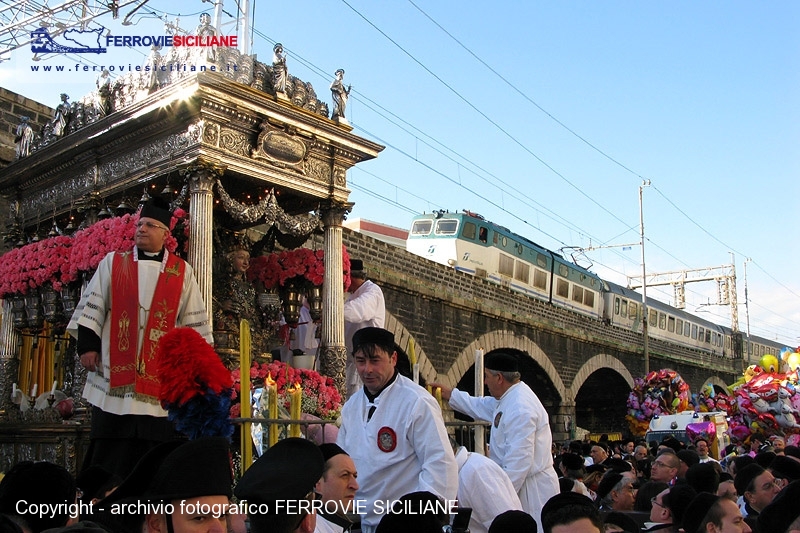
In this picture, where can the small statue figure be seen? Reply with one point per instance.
(24, 138)
(58, 125)
(340, 96)
(103, 83)
(205, 29)
(280, 74)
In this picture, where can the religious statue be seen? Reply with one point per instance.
(235, 298)
(340, 96)
(205, 29)
(103, 83)
(24, 138)
(58, 124)
(280, 74)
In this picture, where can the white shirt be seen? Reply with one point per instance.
(521, 441)
(94, 312)
(365, 307)
(403, 448)
(485, 488)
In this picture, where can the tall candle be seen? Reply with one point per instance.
(35, 390)
(53, 390)
(412, 351)
(272, 406)
(438, 395)
(295, 409)
(244, 392)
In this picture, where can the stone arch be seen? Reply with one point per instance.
(718, 384)
(589, 367)
(402, 337)
(502, 339)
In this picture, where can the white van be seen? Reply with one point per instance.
(675, 426)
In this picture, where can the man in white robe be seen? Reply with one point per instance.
(521, 441)
(394, 431)
(365, 307)
(126, 424)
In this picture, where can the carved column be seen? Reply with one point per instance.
(201, 180)
(333, 352)
(9, 345)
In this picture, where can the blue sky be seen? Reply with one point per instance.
(551, 129)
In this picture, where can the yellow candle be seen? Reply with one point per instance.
(412, 352)
(429, 389)
(438, 394)
(272, 406)
(295, 408)
(244, 392)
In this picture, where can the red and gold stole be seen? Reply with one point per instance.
(133, 367)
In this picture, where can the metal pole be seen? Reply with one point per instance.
(645, 183)
(747, 315)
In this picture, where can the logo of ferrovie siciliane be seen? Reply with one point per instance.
(80, 42)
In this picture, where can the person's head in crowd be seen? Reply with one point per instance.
(778, 444)
(792, 451)
(194, 477)
(785, 469)
(40, 483)
(703, 477)
(565, 484)
(338, 482)
(616, 491)
(576, 447)
(702, 448)
(375, 358)
(738, 463)
(96, 483)
(593, 477)
(13, 524)
(571, 513)
(708, 513)
(640, 453)
(599, 453)
(687, 458)
(513, 522)
(678, 499)
(288, 471)
(357, 274)
(765, 458)
(420, 512)
(618, 465)
(672, 443)
(627, 446)
(727, 489)
(757, 485)
(501, 372)
(782, 515)
(665, 467)
(616, 522)
(571, 466)
(649, 490)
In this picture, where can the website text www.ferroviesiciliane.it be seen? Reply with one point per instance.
(166, 67)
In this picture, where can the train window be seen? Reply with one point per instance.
(662, 321)
(652, 319)
(686, 327)
(563, 271)
(520, 249)
(522, 272)
(421, 227)
(446, 226)
(694, 331)
(624, 309)
(633, 310)
(588, 298)
(506, 265)
(504, 240)
(671, 324)
(562, 288)
(541, 260)
(577, 294)
(727, 342)
(539, 279)
(469, 231)
(701, 335)
(679, 326)
(616, 305)
(483, 234)
(708, 336)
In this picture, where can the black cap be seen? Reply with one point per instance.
(785, 468)
(157, 208)
(627, 523)
(745, 476)
(37, 483)
(501, 362)
(372, 335)
(689, 457)
(329, 449)
(513, 522)
(610, 479)
(356, 265)
(564, 499)
(572, 461)
(697, 509)
(782, 510)
(617, 465)
(289, 470)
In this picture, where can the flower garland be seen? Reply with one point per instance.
(320, 396)
(277, 269)
(59, 260)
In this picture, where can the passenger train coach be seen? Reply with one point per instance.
(469, 243)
